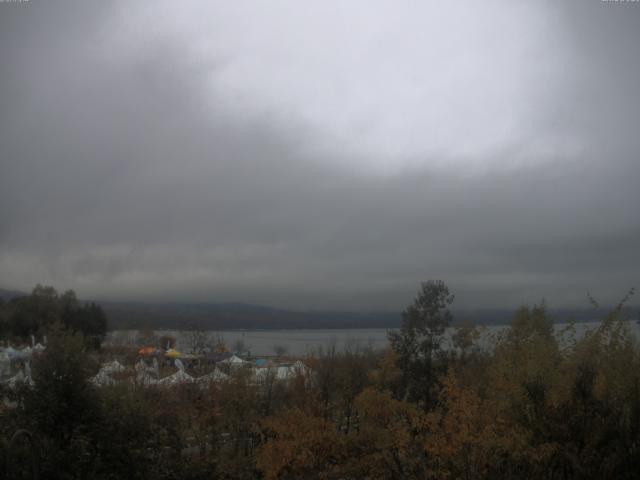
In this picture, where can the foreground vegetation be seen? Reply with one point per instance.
(534, 403)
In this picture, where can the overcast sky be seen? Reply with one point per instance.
(321, 155)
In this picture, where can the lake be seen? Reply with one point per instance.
(302, 342)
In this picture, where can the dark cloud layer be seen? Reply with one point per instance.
(148, 153)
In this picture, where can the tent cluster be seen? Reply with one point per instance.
(281, 372)
(15, 368)
(147, 371)
(150, 375)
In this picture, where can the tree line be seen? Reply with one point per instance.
(527, 402)
(34, 314)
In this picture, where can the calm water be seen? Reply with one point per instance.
(302, 342)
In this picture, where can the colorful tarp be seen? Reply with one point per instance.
(172, 353)
(147, 351)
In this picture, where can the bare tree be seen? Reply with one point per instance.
(279, 350)
(196, 340)
(219, 345)
(239, 346)
(147, 337)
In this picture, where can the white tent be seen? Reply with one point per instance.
(179, 377)
(146, 375)
(284, 372)
(281, 372)
(262, 374)
(233, 360)
(144, 378)
(102, 378)
(213, 377)
(14, 354)
(5, 363)
(112, 367)
(179, 365)
(18, 379)
(300, 368)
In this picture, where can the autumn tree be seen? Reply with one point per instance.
(325, 379)
(239, 346)
(352, 376)
(300, 445)
(279, 350)
(147, 336)
(417, 343)
(387, 444)
(387, 375)
(465, 339)
(389, 440)
(238, 421)
(219, 344)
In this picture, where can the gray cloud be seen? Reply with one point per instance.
(323, 158)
